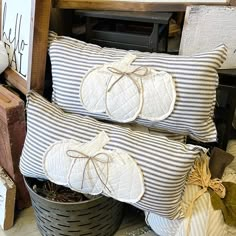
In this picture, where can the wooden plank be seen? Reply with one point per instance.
(133, 5)
(7, 200)
(12, 136)
(206, 27)
(41, 25)
(233, 2)
(15, 80)
(117, 6)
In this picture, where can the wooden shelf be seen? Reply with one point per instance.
(132, 5)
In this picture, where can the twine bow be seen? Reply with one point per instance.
(93, 159)
(138, 71)
(201, 176)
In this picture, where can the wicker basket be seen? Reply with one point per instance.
(97, 217)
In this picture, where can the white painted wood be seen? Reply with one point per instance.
(7, 200)
(205, 27)
(17, 25)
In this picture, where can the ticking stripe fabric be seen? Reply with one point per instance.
(172, 136)
(231, 148)
(205, 220)
(164, 163)
(195, 79)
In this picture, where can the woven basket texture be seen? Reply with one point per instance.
(96, 217)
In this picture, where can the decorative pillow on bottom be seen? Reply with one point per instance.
(164, 163)
(156, 132)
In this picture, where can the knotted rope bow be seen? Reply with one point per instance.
(138, 71)
(93, 159)
(201, 176)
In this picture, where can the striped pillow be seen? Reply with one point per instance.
(165, 163)
(195, 77)
(140, 128)
(204, 221)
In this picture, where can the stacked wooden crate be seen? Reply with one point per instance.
(12, 135)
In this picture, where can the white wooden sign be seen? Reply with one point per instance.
(7, 200)
(17, 33)
(206, 27)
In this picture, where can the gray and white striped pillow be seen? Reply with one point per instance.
(204, 221)
(195, 77)
(139, 128)
(165, 163)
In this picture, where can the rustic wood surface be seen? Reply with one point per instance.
(40, 44)
(12, 136)
(134, 5)
(233, 2)
(7, 200)
(16, 80)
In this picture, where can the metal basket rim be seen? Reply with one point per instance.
(62, 203)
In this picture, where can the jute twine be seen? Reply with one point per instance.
(138, 71)
(201, 176)
(93, 160)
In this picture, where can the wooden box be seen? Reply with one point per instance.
(12, 136)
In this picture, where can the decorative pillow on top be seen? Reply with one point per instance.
(191, 84)
(164, 164)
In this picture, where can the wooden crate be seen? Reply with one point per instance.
(7, 200)
(12, 136)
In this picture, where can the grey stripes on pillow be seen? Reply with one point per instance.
(164, 163)
(195, 77)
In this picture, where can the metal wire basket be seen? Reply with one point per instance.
(99, 216)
